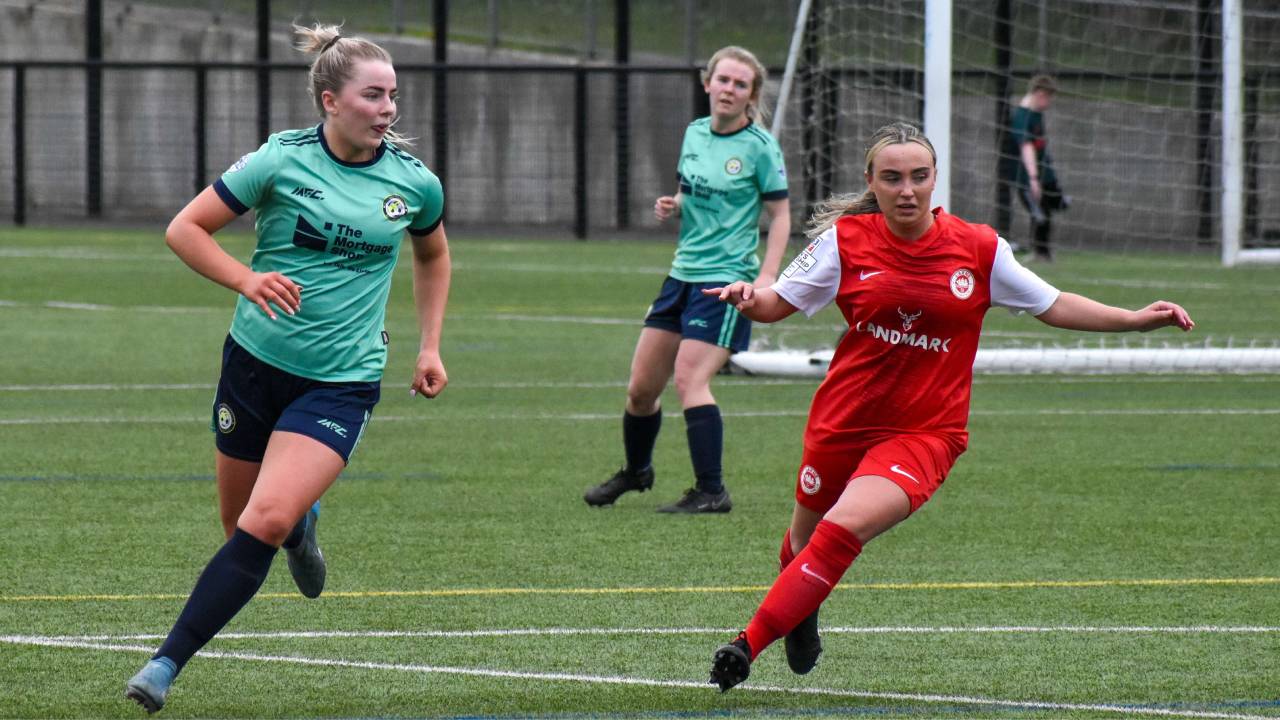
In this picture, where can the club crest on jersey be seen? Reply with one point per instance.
(394, 207)
(239, 164)
(733, 166)
(226, 419)
(962, 283)
(810, 481)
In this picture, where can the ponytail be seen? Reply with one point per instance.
(334, 65)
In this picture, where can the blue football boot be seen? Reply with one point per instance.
(150, 686)
(306, 562)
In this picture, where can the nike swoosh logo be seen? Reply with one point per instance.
(864, 274)
(900, 471)
(805, 569)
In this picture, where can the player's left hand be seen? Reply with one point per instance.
(429, 377)
(1162, 313)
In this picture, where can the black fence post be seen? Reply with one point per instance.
(202, 91)
(622, 115)
(1207, 78)
(830, 116)
(264, 70)
(440, 94)
(701, 101)
(93, 106)
(809, 149)
(1004, 68)
(580, 154)
(1251, 86)
(19, 145)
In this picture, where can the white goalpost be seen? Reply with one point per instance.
(1233, 185)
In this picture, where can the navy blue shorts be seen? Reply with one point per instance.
(682, 308)
(255, 399)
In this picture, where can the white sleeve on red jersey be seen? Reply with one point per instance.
(811, 280)
(1017, 288)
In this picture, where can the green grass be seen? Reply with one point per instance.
(465, 513)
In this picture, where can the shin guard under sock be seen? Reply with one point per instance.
(230, 579)
(705, 430)
(803, 585)
(785, 553)
(639, 433)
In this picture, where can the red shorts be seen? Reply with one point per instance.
(918, 463)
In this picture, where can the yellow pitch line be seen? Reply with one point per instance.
(479, 592)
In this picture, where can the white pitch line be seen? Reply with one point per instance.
(108, 387)
(81, 253)
(515, 385)
(724, 382)
(567, 631)
(656, 271)
(97, 307)
(612, 416)
(647, 682)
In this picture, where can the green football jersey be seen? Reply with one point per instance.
(724, 180)
(334, 228)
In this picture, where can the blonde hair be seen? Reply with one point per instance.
(755, 110)
(334, 65)
(1042, 82)
(837, 206)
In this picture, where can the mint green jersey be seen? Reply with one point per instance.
(724, 180)
(334, 228)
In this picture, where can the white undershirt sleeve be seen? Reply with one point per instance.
(1017, 288)
(812, 279)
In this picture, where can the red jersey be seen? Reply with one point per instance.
(915, 311)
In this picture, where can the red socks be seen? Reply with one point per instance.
(805, 582)
(785, 555)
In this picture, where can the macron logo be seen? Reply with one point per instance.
(312, 193)
(805, 569)
(341, 431)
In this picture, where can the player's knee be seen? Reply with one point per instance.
(690, 383)
(270, 523)
(865, 523)
(642, 399)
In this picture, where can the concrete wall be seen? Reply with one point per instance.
(510, 154)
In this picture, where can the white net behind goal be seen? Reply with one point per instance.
(1135, 131)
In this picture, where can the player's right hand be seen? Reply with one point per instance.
(272, 288)
(665, 206)
(740, 294)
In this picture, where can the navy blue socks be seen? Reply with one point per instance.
(639, 433)
(230, 579)
(705, 430)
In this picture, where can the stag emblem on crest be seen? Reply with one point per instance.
(908, 318)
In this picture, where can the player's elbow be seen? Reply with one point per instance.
(176, 232)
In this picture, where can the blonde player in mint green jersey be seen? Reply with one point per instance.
(302, 365)
(730, 169)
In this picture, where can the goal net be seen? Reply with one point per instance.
(1135, 131)
(1145, 92)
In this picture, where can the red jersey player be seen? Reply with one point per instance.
(889, 420)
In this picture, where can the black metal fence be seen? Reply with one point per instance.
(576, 148)
(583, 86)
